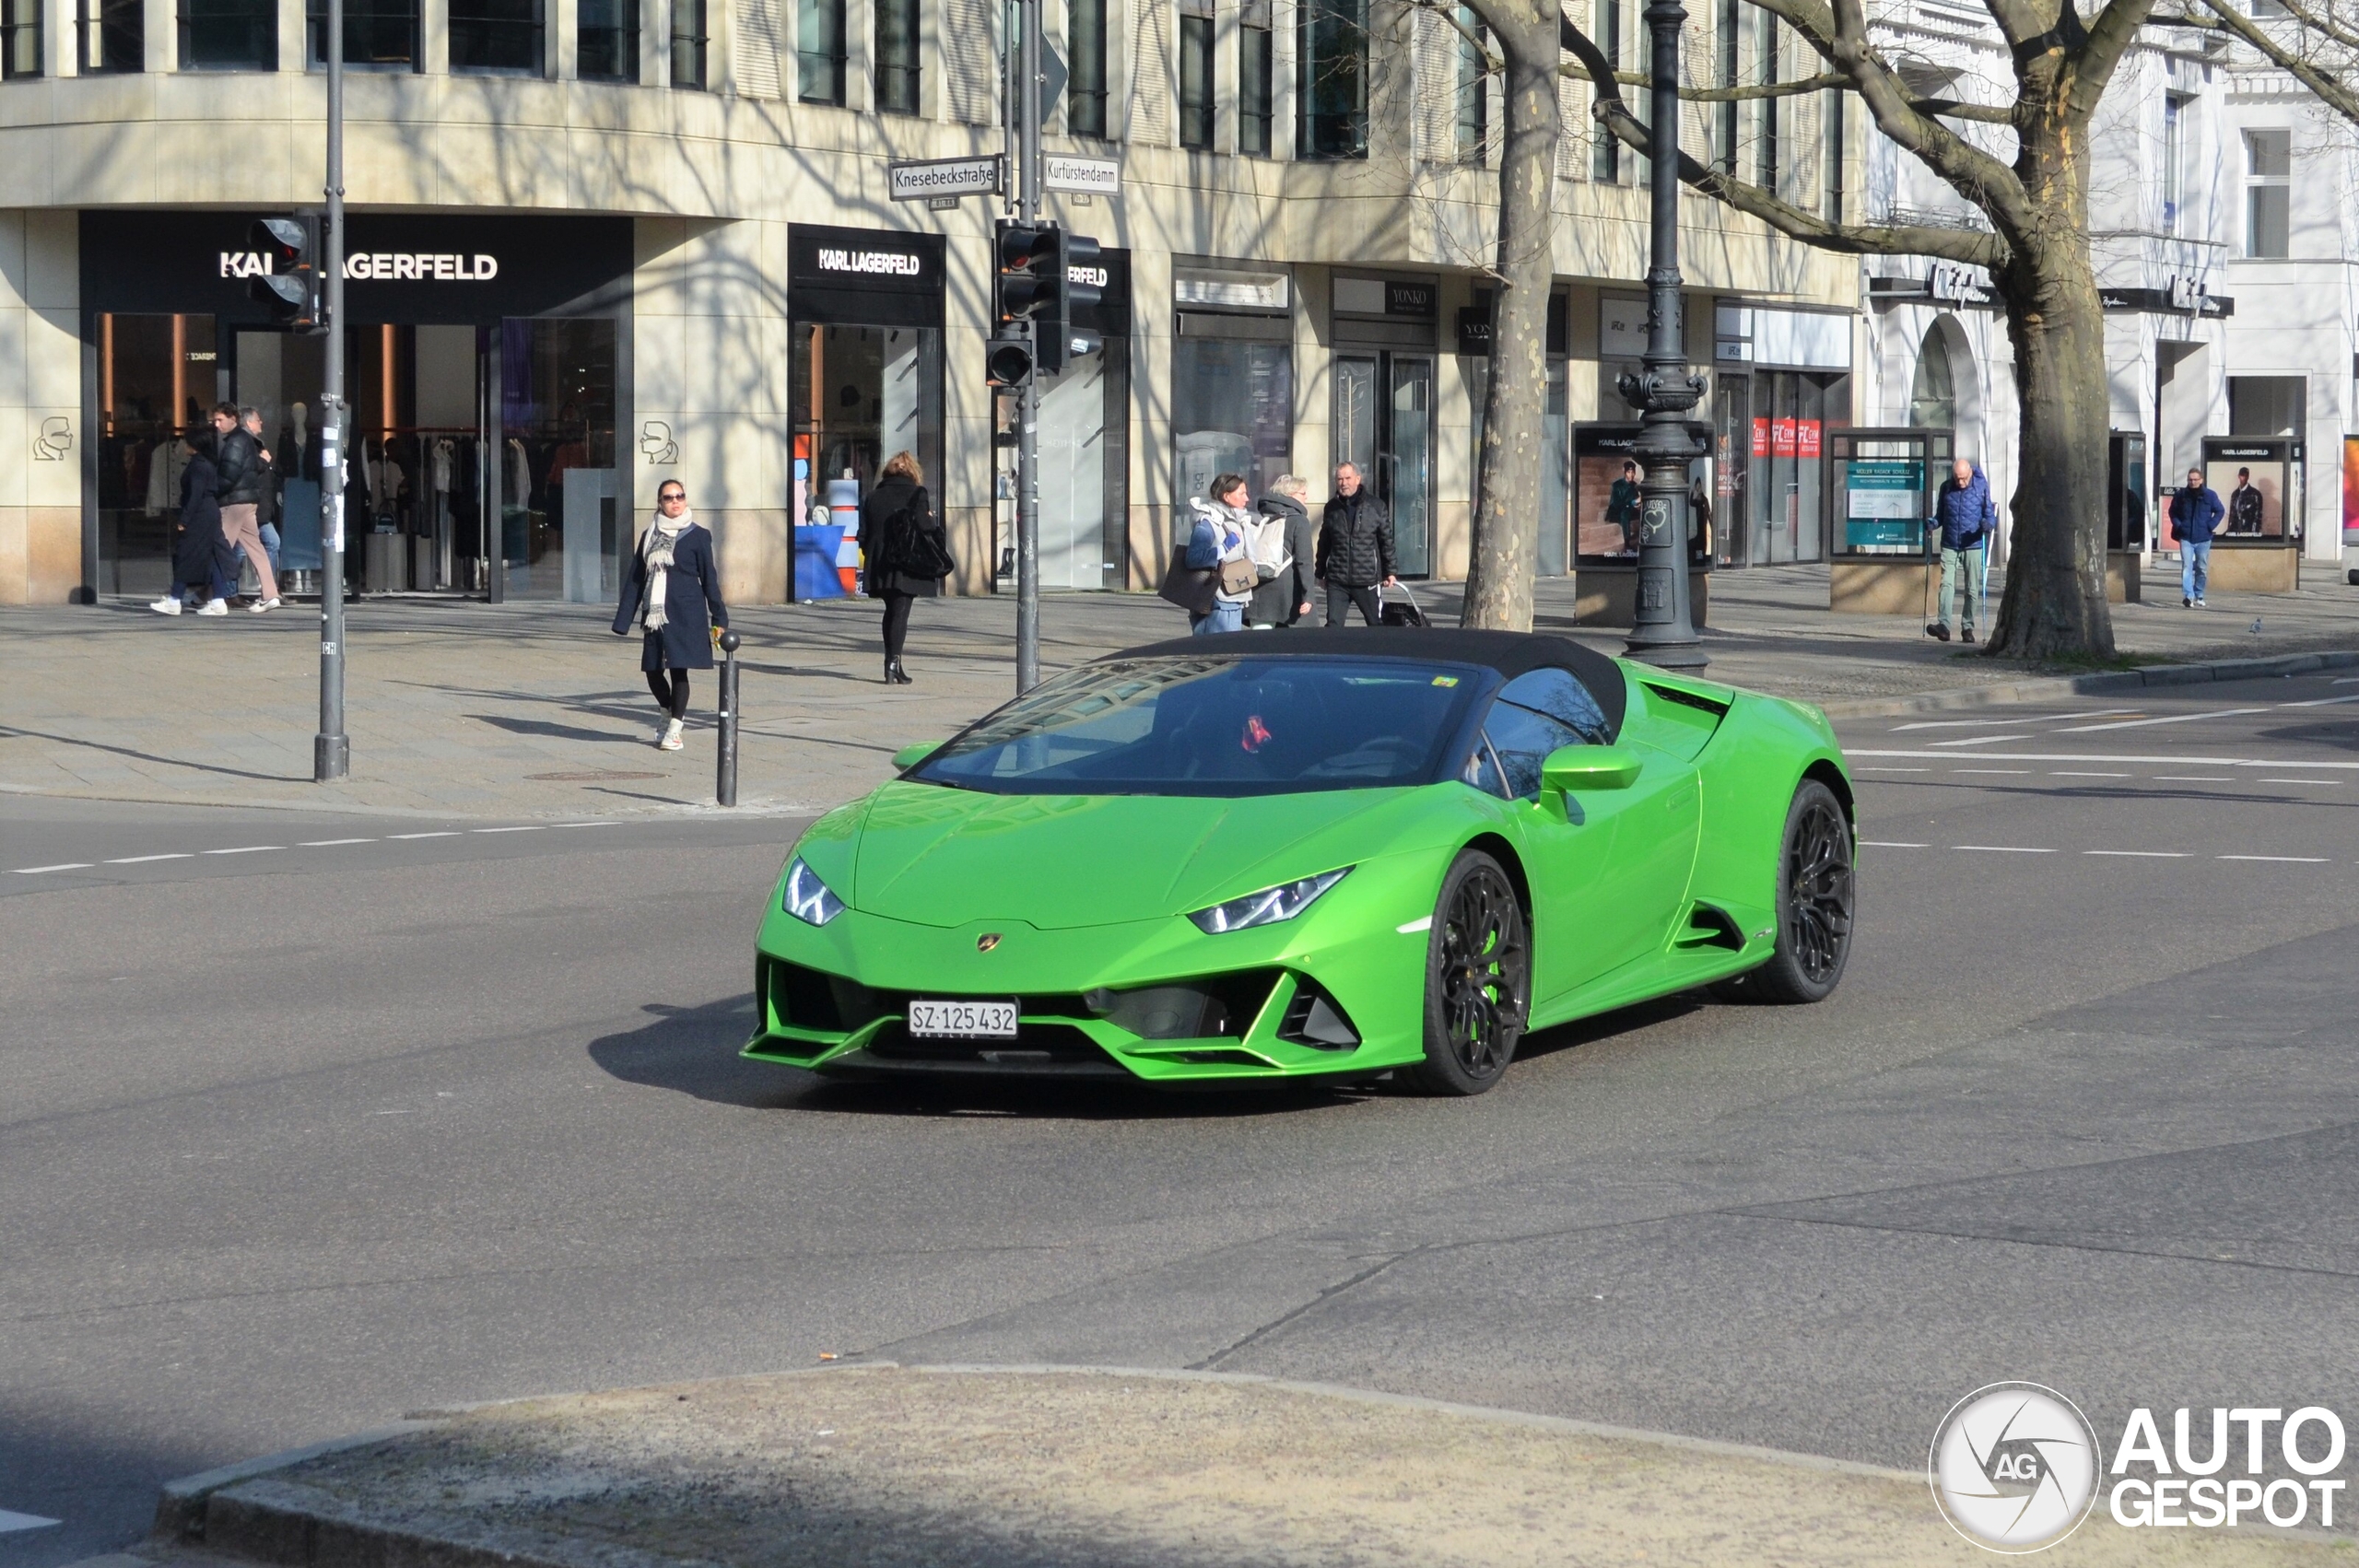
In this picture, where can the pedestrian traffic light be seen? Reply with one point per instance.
(1008, 362)
(1080, 278)
(1027, 269)
(290, 282)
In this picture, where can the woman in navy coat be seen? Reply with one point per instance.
(673, 594)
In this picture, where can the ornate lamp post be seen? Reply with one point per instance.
(1663, 630)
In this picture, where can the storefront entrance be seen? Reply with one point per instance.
(485, 391)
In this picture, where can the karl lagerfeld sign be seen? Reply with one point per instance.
(415, 266)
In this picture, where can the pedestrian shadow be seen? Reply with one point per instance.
(693, 1052)
(555, 732)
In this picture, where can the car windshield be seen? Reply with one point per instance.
(1184, 725)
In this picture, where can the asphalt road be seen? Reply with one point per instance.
(305, 1123)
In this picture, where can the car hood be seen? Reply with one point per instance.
(945, 857)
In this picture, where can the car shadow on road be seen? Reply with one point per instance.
(693, 1052)
(1605, 1025)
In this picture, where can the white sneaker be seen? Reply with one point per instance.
(670, 741)
(165, 607)
(259, 605)
(213, 607)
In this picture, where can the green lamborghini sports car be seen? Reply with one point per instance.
(1311, 854)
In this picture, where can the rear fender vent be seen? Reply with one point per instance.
(1314, 1019)
(1712, 927)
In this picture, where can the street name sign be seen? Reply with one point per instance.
(952, 177)
(1093, 176)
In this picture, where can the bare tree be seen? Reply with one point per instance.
(2037, 253)
(2314, 41)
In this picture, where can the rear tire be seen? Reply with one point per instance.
(1478, 979)
(1818, 899)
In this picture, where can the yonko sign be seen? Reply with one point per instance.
(2016, 1467)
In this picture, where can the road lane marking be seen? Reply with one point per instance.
(1990, 770)
(63, 866)
(330, 843)
(143, 859)
(2319, 701)
(532, 827)
(2193, 778)
(2144, 854)
(453, 833)
(2002, 849)
(2290, 860)
(584, 824)
(10, 1522)
(1891, 844)
(1982, 741)
(2169, 719)
(1888, 767)
(2062, 773)
(2118, 756)
(2297, 780)
(246, 850)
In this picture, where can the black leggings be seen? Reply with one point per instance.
(671, 689)
(896, 621)
(1341, 597)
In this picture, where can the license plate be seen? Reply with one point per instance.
(962, 1020)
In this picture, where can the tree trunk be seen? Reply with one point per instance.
(1507, 514)
(2054, 600)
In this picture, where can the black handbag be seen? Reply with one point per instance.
(1193, 588)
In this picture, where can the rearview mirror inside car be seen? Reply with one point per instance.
(1571, 768)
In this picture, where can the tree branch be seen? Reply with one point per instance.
(2109, 39)
(1973, 173)
(1856, 240)
(2331, 90)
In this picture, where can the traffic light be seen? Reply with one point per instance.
(1023, 296)
(291, 284)
(1077, 270)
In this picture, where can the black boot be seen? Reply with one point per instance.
(896, 675)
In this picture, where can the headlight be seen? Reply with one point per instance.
(1268, 906)
(807, 898)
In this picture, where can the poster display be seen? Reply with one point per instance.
(2254, 479)
(1884, 506)
(1606, 483)
(2350, 491)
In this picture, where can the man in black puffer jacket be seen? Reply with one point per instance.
(238, 489)
(1355, 547)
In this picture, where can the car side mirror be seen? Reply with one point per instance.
(909, 756)
(1572, 769)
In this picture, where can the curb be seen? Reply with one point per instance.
(2047, 688)
(246, 1512)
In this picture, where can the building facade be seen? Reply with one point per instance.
(599, 244)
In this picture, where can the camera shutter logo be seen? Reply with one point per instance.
(2014, 1467)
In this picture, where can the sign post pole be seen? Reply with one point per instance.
(332, 748)
(1028, 418)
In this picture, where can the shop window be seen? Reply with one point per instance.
(1331, 71)
(497, 35)
(1232, 412)
(2269, 167)
(1473, 121)
(376, 32)
(898, 39)
(1085, 52)
(113, 36)
(228, 35)
(607, 41)
(819, 51)
(690, 44)
(1196, 102)
(156, 377)
(19, 39)
(1256, 80)
(558, 531)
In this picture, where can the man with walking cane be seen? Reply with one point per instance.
(1965, 516)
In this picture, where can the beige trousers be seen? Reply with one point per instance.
(239, 529)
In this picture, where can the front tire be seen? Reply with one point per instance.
(1817, 901)
(1478, 978)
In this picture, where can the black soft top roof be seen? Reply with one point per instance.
(1511, 653)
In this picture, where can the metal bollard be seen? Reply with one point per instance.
(725, 787)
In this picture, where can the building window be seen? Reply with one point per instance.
(1731, 42)
(819, 51)
(1767, 167)
(497, 35)
(1932, 393)
(228, 35)
(689, 38)
(1331, 79)
(1473, 115)
(2174, 171)
(2269, 167)
(1256, 80)
(1196, 103)
(376, 32)
(1604, 151)
(898, 36)
(19, 39)
(113, 36)
(1085, 83)
(606, 41)
(1834, 102)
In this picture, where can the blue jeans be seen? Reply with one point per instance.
(270, 545)
(1224, 617)
(2196, 567)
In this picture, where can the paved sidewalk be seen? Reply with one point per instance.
(1039, 1469)
(536, 710)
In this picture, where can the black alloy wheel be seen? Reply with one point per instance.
(1478, 978)
(1817, 905)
